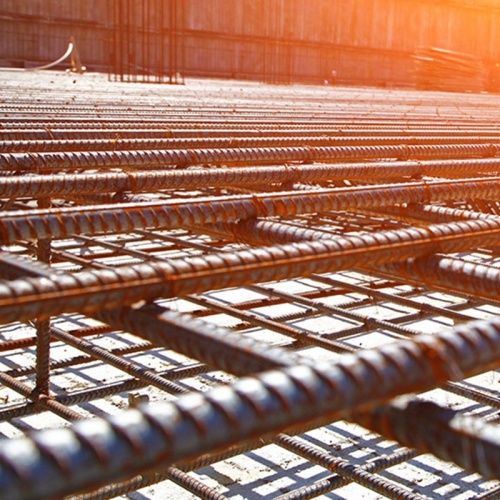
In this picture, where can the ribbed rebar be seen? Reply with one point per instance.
(90, 291)
(92, 394)
(36, 162)
(198, 339)
(251, 352)
(450, 274)
(333, 482)
(112, 182)
(183, 479)
(147, 376)
(231, 142)
(365, 319)
(94, 452)
(64, 223)
(292, 122)
(467, 441)
(346, 470)
(432, 213)
(426, 307)
(491, 494)
(41, 400)
(303, 336)
(257, 130)
(44, 254)
(380, 212)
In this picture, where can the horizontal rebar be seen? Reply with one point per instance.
(424, 425)
(118, 182)
(68, 222)
(90, 291)
(37, 162)
(113, 134)
(440, 272)
(173, 214)
(62, 461)
(450, 274)
(196, 339)
(117, 144)
(41, 400)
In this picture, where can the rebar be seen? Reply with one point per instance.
(118, 182)
(43, 401)
(440, 272)
(43, 326)
(56, 161)
(131, 144)
(448, 273)
(264, 249)
(68, 222)
(335, 481)
(119, 362)
(58, 462)
(423, 425)
(234, 364)
(110, 288)
(24, 135)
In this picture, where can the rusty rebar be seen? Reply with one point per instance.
(42, 401)
(142, 373)
(183, 479)
(189, 244)
(118, 182)
(467, 441)
(163, 322)
(90, 291)
(228, 141)
(347, 470)
(65, 460)
(197, 339)
(57, 161)
(257, 130)
(323, 486)
(95, 393)
(433, 213)
(44, 254)
(64, 223)
(450, 274)
(341, 467)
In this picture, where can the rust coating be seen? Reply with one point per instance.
(217, 269)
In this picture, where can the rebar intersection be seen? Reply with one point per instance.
(263, 269)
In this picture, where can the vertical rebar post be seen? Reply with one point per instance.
(43, 326)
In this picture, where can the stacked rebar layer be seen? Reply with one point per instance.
(439, 69)
(232, 290)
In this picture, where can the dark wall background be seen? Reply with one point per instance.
(363, 41)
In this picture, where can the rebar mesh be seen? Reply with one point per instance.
(242, 291)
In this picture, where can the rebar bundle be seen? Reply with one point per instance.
(221, 276)
(439, 69)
